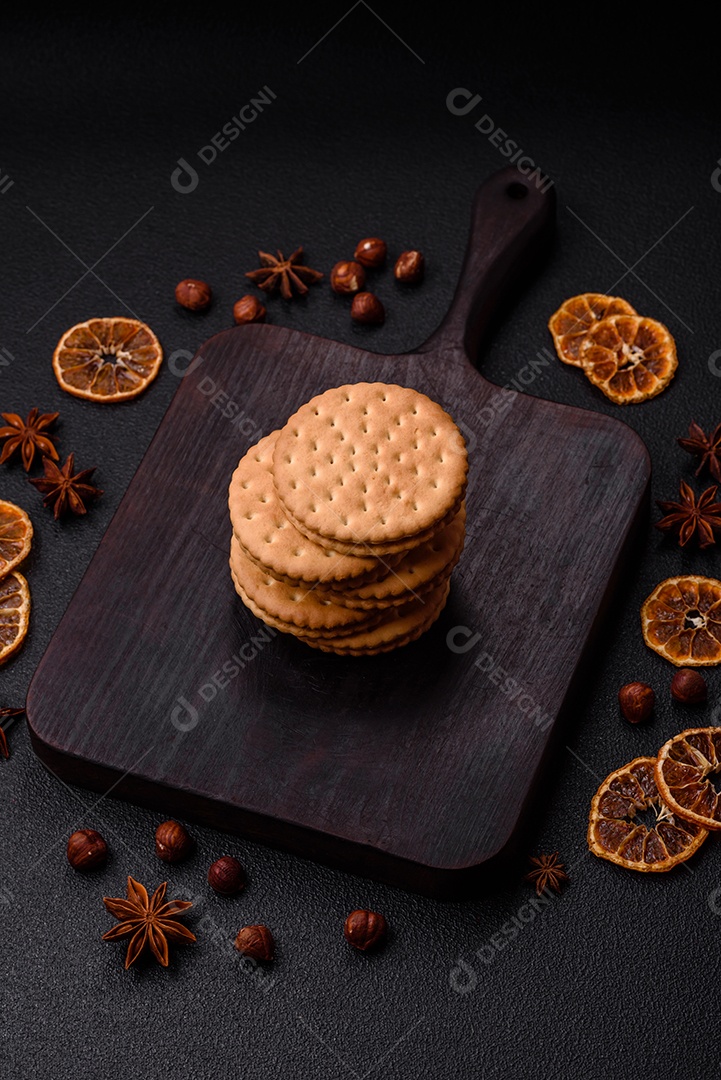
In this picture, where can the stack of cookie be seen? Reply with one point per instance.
(348, 521)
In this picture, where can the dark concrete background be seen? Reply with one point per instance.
(618, 975)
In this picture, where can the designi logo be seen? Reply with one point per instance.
(184, 716)
(185, 178)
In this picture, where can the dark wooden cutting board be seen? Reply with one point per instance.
(414, 767)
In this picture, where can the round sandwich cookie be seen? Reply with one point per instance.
(302, 608)
(286, 627)
(401, 626)
(419, 572)
(370, 464)
(273, 543)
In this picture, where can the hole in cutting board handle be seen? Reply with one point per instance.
(517, 190)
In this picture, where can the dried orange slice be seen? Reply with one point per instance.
(107, 359)
(14, 613)
(681, 620)
(616, 833)
(575, 317)
(683, 769)
(629, 357)
(16, 534)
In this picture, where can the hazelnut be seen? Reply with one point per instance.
(347, 278)
(688, 687)
(87, 850)
(367, 308)
(371, 252)
(365, 930)
(636, 700)
(226, 876)
(409, 267)
(172, 842)
(256, 942)
(248, 309)
(193, 295)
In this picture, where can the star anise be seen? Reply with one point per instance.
(287, 274)
(63, 490)
(548, 872)
(11, 715)
(147, 922)
(27, 436)
(691, 516)
(709, 447)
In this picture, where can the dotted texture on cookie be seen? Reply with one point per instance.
(272, 541)
(370, 463)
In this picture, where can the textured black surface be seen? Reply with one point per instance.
(618, 974)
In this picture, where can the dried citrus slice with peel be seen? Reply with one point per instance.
(684, 767)
(629, 357)
(14, 613)
(16, 534)
(576, 316)
(107, 359)
(681, 620)
(616, 833)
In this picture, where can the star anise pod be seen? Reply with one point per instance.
(691, 516)
(709, 447)
(63, 490)
(27, 436)
(147, 922)
(548, 872)
(11, 715)
(287, 274)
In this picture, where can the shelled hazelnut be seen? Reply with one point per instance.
(365, 929)
(688, 687)
(410, 267)
(371, 252)
(87, 850)
(226, 876)
(367, 308)
(637, 700)
(248, 310)
(347, 277)
(256, 942)
(172, 842)
(193, 295)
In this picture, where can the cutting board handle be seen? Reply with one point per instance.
(513, 220)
